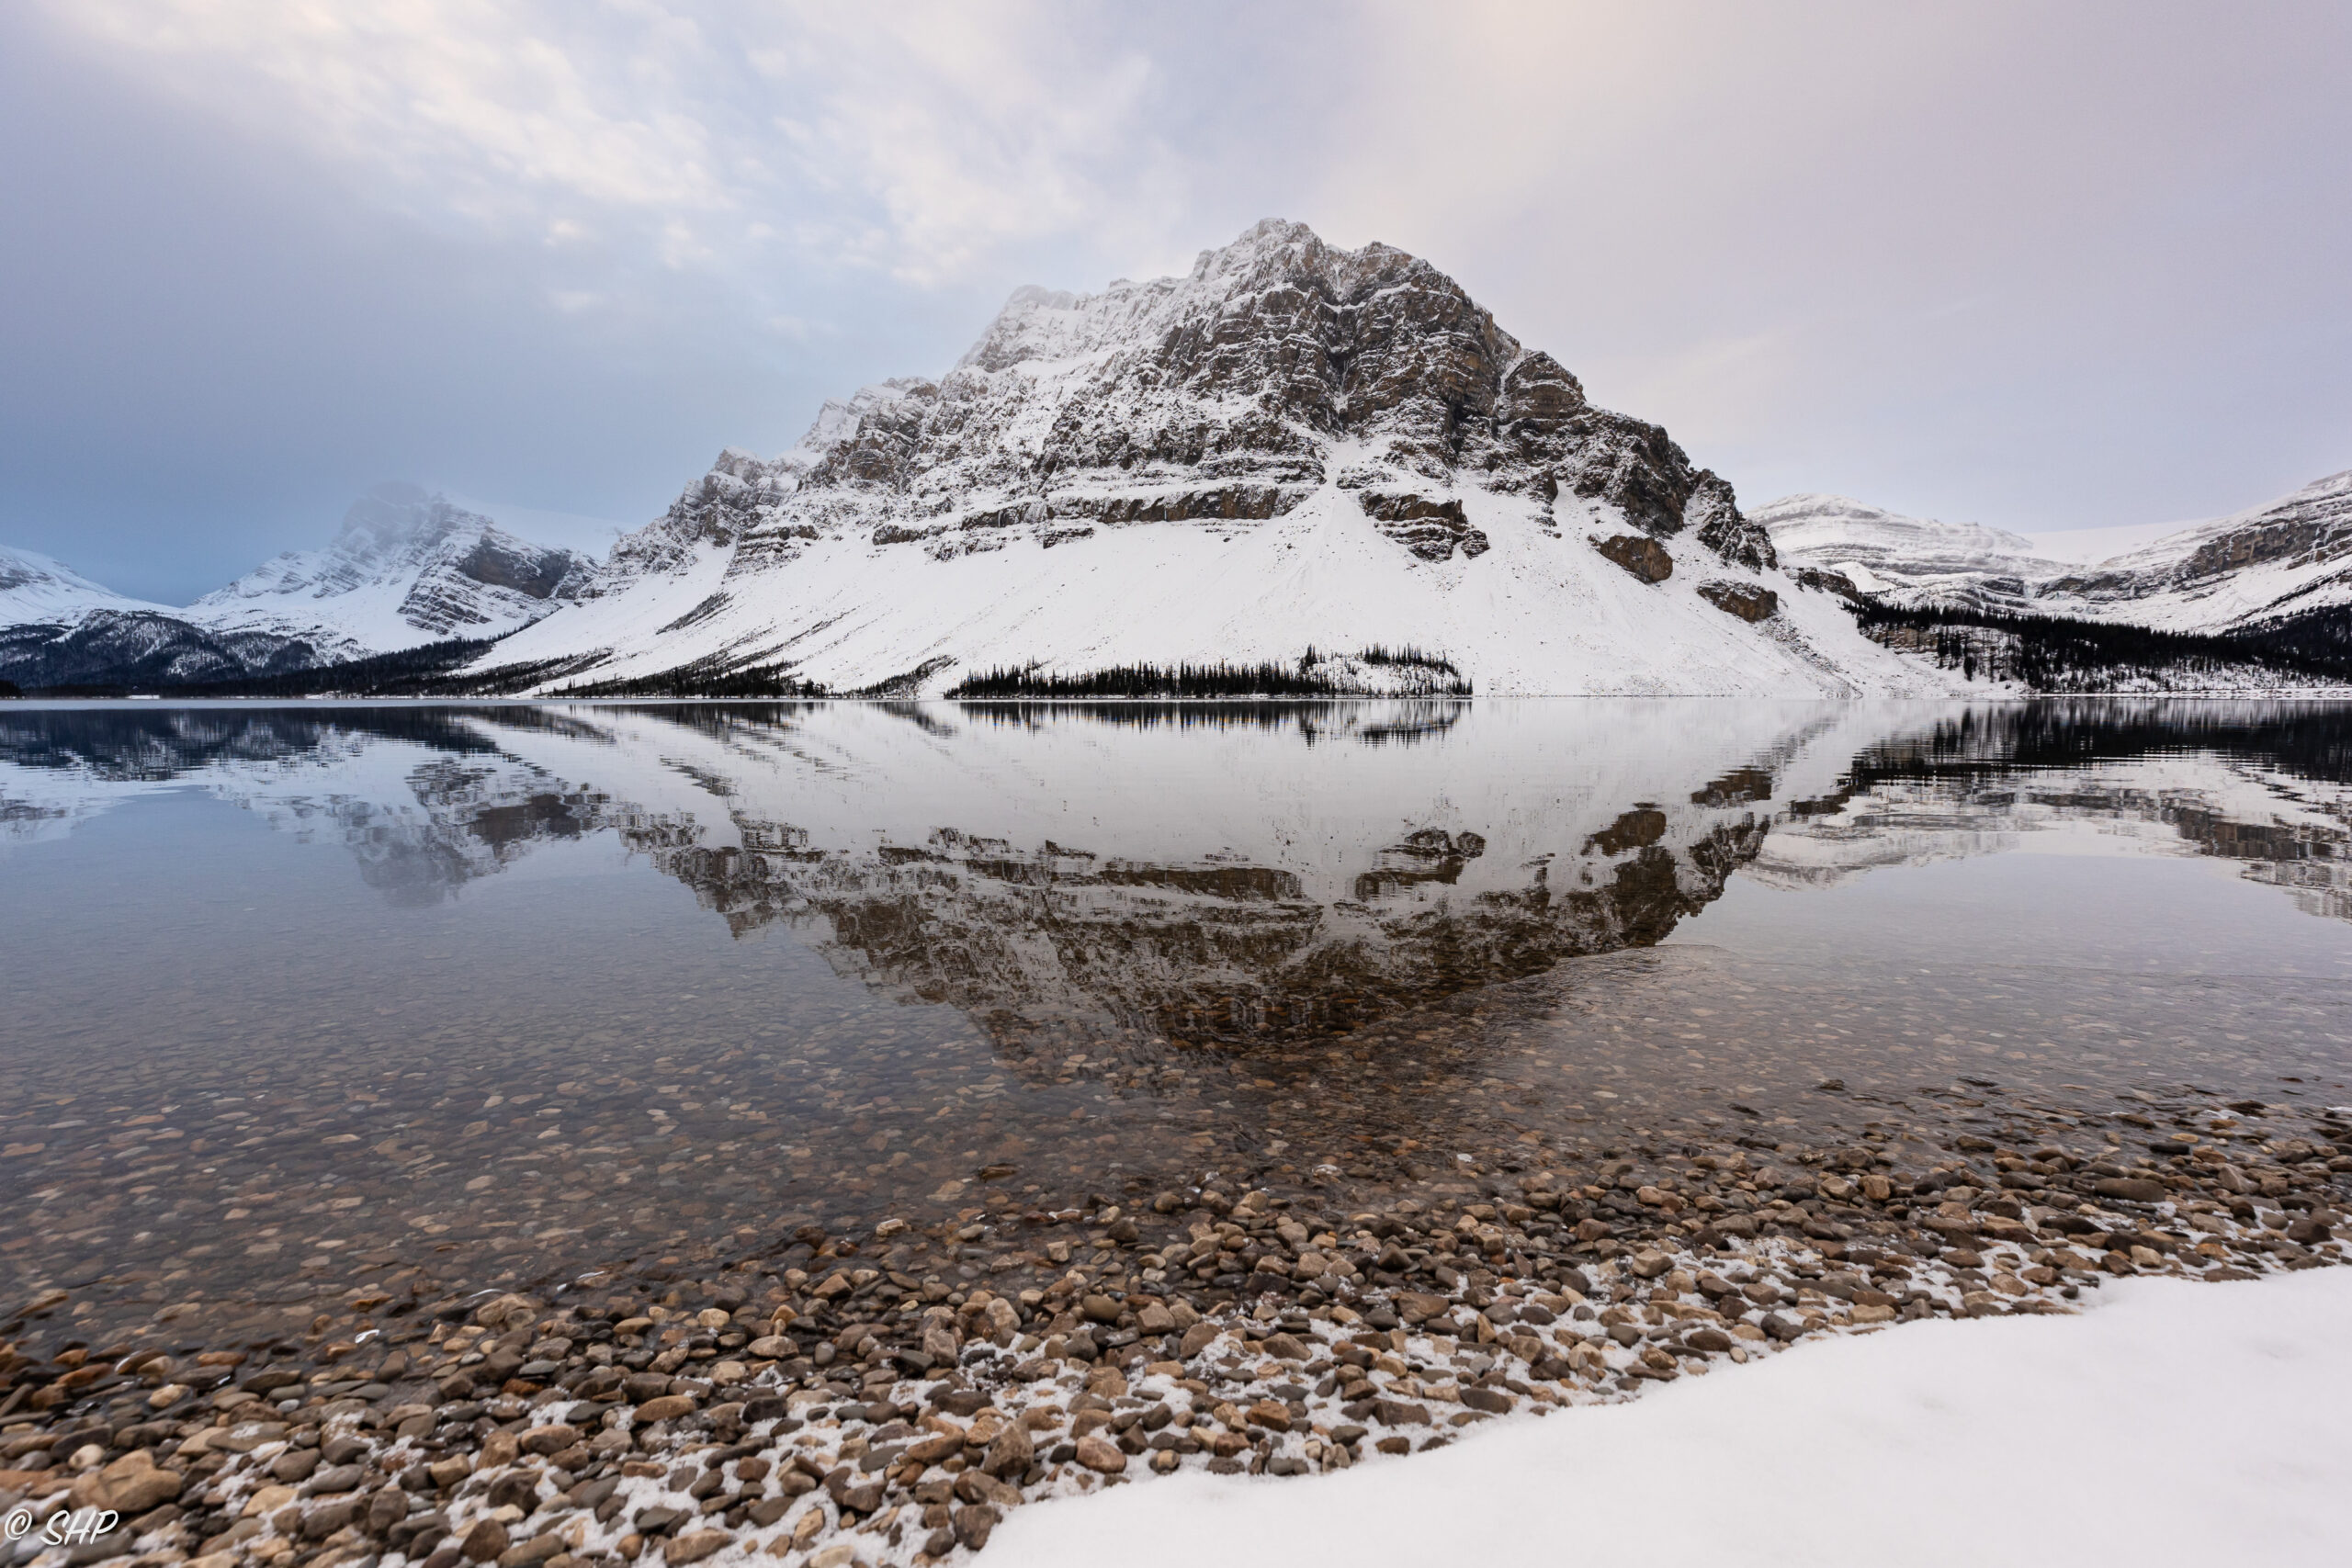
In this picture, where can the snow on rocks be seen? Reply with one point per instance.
(405, 568)
(2171, 1424)
(853, 1411)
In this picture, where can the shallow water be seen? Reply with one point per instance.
(306, 999)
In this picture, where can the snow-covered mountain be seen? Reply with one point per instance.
(2283, 562)
(35, 588)
(1907, 560)
(406, 568)
(2272, 568)
(57, 628)
(1294, 446)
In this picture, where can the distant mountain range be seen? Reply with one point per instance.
(2273, 583)
(2276, 566)
(1295, 470)
(406, 570)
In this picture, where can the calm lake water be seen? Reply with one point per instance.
(299, 998)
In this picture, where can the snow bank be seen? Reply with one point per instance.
(2174, 1422)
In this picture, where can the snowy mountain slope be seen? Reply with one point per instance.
(2288, 560)
(1293, 447)
(59, 629)
(406, 568)
(2273, 566)
(35, 588)
(1913, 561)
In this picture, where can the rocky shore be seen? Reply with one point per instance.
(887, 1397)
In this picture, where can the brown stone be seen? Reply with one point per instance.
(486, 1542)
(1644, 558)
(937, 1447)
(552, 1439)
(532, 1552)
(1098, 1454)
(693, 1546)
(322, 1522)
(130, 1487)
(1749, 601)
(974, 1524)
(2131, 1189)
(1011, 1454)
(1268, 1413)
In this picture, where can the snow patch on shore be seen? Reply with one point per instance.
(2172, 1423)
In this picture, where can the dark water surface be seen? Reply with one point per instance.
(313, 1000)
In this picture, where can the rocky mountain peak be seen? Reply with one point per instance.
(1278, 364)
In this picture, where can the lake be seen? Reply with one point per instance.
(319, 1002)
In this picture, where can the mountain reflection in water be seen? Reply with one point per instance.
(1063, 948)
(1220, 871)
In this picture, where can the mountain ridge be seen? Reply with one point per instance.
(1291, 446)
(406, 569)
(1259, 475)
(2267, 570)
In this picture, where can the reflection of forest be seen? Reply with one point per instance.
(2260, 784)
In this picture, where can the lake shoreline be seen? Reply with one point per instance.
(895, 1392)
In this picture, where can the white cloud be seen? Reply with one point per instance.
(917, 139)
(1830, 244)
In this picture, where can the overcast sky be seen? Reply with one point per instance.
(2034, 265)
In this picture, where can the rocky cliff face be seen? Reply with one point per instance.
(1292, 444)
(1224, 396)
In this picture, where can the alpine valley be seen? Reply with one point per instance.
(1297, 470)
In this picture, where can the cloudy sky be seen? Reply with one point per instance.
(2036, 265)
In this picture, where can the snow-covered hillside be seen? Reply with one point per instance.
(1292, 447)
(406, 568)
(59, 629)
(2280, 562)
(33, 588)
(1907, 560)
(2273, 566)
